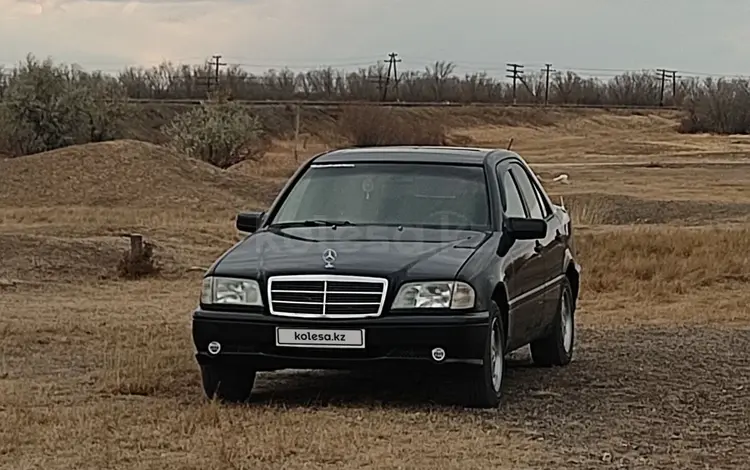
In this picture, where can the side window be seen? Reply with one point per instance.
(513, 206)
(527, 191)
(542, 204)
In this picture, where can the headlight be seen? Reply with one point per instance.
(445, 294)
(229, 291)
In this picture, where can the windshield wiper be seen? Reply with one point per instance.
(311, 223)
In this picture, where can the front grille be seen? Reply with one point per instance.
(326, 296)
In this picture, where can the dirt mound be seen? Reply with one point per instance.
(598, 208)
(121, 173)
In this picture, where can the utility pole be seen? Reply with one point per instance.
(547, 70)
(674, 87)
(516, 73)
(663, 78)
(661, 92)
(392, 61)
(217, 64)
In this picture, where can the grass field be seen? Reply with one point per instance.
(97, 372)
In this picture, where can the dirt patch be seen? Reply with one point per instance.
(675, 402)
(598, 208)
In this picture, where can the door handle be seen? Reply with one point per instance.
(538, 247)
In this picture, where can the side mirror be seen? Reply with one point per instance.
(519, 228)
(249, 221)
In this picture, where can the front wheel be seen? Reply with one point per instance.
(556, 349)
(485, 384)
(226, 384)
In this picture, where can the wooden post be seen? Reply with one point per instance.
(136, 245)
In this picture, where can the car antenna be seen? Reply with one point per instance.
(510, 143)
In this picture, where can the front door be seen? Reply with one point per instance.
(527, 266)
(551, 247)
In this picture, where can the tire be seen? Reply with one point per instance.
(227, 385)
(556, 349)
(484, 391)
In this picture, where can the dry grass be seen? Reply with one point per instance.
(595, 211)
(97, 372)
(659, 263)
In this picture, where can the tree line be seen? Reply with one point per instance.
(437, 83)
(69, 103)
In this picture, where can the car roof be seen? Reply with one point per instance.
(412, 154)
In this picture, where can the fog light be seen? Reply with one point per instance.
(438, 354)
(214, 347)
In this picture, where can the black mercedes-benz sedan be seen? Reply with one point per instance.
(386, 256)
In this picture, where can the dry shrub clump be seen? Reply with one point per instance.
(656, 262)
(138, 261)
(720, 106)
(220, 133)
(369, 126)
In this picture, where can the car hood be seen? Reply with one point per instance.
(374, 251)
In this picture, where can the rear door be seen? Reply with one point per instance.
(555, 257)
(550, 248)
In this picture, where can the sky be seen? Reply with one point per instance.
(593, 37)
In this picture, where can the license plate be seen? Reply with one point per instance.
(314, 338)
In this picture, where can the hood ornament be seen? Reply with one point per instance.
(329, 256)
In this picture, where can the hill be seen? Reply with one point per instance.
(63, 211)
(124, 173)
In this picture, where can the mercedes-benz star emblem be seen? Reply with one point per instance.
(329, 256)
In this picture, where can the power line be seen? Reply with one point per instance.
(312, 65)
(314, 60)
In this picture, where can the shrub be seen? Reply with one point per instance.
(721, 106)
(135, 264)
(220, 133)
(46, 107)
(368, 126)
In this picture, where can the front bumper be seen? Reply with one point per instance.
(249, 340)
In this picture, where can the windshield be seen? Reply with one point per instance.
(408, 194)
